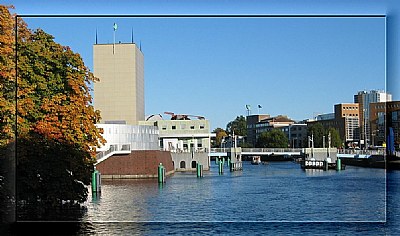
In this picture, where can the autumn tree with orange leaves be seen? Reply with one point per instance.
(56, 136)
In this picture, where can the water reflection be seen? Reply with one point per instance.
(274, 192)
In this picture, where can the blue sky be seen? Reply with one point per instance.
(214, 66)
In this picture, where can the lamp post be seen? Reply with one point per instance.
(365, 129)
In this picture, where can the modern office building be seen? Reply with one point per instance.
(119, 95)
(364, 99)
(297, 135)
(326, 116)
(251, 122)
(345, 121)
(257, 124)
(382, 116)
(347, 118)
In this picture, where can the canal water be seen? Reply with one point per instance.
(277, 198)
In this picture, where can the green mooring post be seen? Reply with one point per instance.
(228, 162)
(96, 181)
(161, 173)
(326, 165)
(199, 170)
(338, 164)
(221, 167)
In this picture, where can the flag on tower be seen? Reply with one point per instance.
(259, 106)
(115, 26)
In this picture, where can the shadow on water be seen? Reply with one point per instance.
(199, 228)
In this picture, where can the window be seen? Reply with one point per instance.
(182, 164)
(164, 127)
(201, 126)
(194, 164)
(192, 127)
(174, 127)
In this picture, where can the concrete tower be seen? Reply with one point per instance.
(119, 95)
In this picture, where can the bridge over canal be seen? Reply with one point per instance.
(220, 152)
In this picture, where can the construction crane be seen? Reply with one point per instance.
(182, 116)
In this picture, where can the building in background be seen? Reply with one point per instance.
(251, 122)
(119, 95)
(257, 124)
(297, 135)
(326, 116)
(345, 120)
(364, 99)
(270, 123)
(382, 116)
(189, 141)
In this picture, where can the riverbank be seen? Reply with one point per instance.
(375, 161)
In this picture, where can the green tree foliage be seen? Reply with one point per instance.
(275, 138)
(56, 132)
(316, 131)
(238, 126)
(320, 132)
(220, 134)
(336, 141)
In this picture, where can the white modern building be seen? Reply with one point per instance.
(189, 141)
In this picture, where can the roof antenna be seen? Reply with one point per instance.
(140, 46)
(96, 35)
(132, 35)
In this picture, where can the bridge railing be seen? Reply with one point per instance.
(267, 150)
(361, 152)
(213, 150)
(272, 150)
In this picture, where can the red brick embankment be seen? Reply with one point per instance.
(137, 164)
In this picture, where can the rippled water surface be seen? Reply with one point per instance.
(276, 198)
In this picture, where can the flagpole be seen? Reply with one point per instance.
(115, 29)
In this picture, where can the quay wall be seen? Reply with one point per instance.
(320, 154)
(187, 161)
(137, 164)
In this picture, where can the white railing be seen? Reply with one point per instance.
(273, 150)
(361, 152)
(178, 150)
(113, 149)
(266, 150)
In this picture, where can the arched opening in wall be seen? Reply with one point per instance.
(193, 164)
(182, 165)
(173, 165)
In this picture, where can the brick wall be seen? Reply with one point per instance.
(137, 164)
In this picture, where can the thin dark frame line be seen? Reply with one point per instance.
(205, 15)
(186, 16)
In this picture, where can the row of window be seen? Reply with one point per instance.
(350, 108)
(350, 114)
(183, 126)
(388, 106)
